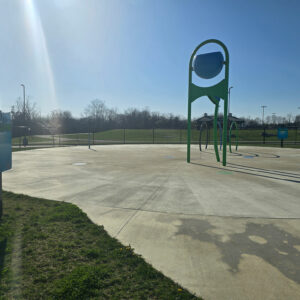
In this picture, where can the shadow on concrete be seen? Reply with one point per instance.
(242, 170)
(245, 154)
(275, 172)
(273, 245)
(265, 155)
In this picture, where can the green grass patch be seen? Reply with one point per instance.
(24, 149)
(51, 250)
(32, 139)
(136, 136)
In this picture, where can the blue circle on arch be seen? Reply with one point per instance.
(208, 65)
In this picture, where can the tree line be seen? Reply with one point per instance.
(98, 117)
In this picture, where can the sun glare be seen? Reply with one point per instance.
(38, 43)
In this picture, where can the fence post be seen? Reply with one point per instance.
(53, 140)
(124, 136)
(93, 137)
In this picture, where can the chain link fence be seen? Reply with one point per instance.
(267, 137)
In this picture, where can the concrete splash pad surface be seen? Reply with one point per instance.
(230, 233)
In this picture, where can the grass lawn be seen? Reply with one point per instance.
(25, 148)
(138, 136)
(51, 250)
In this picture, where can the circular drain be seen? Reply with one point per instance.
(79, 164)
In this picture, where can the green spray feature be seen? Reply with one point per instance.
(208, 66)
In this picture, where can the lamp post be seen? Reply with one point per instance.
(24, 114)
(24, 101)
(263, 123)
(274, 118)
(263, 112)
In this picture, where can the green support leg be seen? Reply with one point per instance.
(225, 130)
(189, 132)
(216, 131)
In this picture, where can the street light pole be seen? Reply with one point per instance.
(263, 113)
(263, 123)
(24, 113)
(24, 103)
(274, 118)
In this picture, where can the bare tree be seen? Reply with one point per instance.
(97, 112)
(30, 118)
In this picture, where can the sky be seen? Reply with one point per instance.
(135, 53)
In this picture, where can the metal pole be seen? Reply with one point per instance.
(229, 99)
(24, 113)
(263, 113)
(225, 131)
(24, 101)
(263, 123)
(216, 132)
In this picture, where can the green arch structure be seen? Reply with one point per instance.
(237, 136)
(214, 93)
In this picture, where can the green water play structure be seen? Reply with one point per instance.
(208, 66)
(206, 122)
